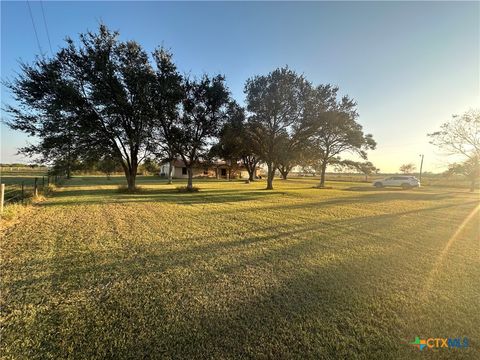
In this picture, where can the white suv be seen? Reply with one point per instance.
(406, 182)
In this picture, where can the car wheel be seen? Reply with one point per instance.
(378, 185)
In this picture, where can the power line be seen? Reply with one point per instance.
(46, 27)
(34, 28)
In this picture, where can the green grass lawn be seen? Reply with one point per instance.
(12, 175)
(235, 271)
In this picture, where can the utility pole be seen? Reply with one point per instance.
(421, 166)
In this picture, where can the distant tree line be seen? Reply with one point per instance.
(20, 165)
(105, 101)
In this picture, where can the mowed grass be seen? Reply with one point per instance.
(15, 176)
(235, 271)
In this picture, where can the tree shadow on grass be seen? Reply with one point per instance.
(102, 196)
(400, 194)
(372, 189)
(363, 228)
(85, 194)
(273, 320)
(242, 298)
(209, 196)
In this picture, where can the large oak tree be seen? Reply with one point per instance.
(203, 112)
(335, 128)
(100, 88)
(275, 102)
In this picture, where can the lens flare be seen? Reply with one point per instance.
(445, 250)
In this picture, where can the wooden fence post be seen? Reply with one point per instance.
(23, 191)
(35, 188)
(2, 197)
(43, 183)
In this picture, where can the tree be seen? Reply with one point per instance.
(407, 168)
(250, 157)
(230, 142)
(107, 165)
(58, 146)
(461, 137)
(169, 94)
(366, 168)
(275, 102)
(290, 151)
(203, 113)
(151, 166)
(336, 129)
(234, 143)
(469, 168)
(100, 89)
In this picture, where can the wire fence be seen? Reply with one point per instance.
(21, 191)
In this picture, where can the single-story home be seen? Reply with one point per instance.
(219, 169)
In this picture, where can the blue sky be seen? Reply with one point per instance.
(410, 65)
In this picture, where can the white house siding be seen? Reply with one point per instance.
(211, 172)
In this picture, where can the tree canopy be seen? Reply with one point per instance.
(169, 94)
(461, 137)
(367, 168)
(275, 103)
(335, 128)
(204, 110)
(96, 95)
(407, 168)
(102, 98)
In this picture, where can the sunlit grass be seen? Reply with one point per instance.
(236, 271)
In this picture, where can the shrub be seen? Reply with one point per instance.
(48, 189)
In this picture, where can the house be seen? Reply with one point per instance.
(219, 169)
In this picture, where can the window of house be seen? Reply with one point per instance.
(224, 172)
(205, 172)
(184, 171)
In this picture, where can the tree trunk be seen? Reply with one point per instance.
(250, 164)
(251, 171)
(251, 176)
(472, 184)
(284, 171)
(190, 178)
(131, 177)
(270, 175)
(170, 172)
(322, 174)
